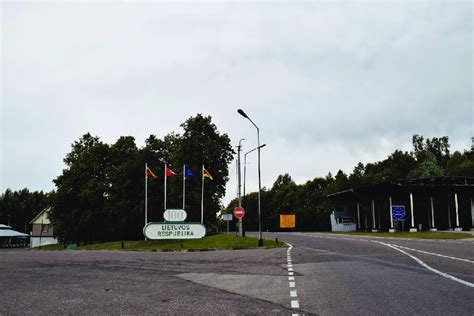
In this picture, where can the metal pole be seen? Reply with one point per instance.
(358, 216)
(184, 185)
(41, 231)
(165, 189)
(260, 240)
(146, 195)
(245, 162)
(202, 195)
(245, 169)
(239, 179)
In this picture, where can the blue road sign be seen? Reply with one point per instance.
(398, 212)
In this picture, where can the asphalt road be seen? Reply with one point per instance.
(331, 275)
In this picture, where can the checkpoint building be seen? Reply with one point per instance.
(439, 203)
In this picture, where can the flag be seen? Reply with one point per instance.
(149, 173)
(206, 174)
(169, 172)
(188, 172)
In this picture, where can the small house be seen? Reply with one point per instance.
(42, 232)
(342, 222)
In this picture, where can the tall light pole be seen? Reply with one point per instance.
(260, 240)
(239, 179)
(245, 161)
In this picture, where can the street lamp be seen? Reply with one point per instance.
(260, 240)
(245, 161)
(239, 149)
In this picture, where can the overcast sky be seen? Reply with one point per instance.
(329, 83)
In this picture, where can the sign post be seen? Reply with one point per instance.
(239, 212)
(155, 231)
(174, 227)
(399, 213)
(287, 221)
(227, 218)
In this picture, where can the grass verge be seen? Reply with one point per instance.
(218, 241)
(421, 235)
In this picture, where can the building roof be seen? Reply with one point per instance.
(434, 182)
(46, 209)
(6, 231)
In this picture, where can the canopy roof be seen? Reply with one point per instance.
(402, 184)
(6, 231)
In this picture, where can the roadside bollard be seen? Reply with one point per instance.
(276, 240)
(123, 246)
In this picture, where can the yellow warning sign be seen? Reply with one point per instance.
(287, 221)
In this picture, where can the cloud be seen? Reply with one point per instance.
(329, 84)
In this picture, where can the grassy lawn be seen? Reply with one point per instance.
(422, 235)
(218, 241)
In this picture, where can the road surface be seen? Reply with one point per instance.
(321, 274)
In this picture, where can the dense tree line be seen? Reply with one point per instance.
(100, 194)
(18, 208)
(429, 158)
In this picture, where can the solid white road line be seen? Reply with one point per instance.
(434, 254)
(453, 278)
(291, 278)
(291, 273)
(293, 294)
(292, 284)
(290, 269)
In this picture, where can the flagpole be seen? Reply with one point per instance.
(184, 185)
(202, 195)
(165, 189)
(146, 194)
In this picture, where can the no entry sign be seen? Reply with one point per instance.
(239, 212)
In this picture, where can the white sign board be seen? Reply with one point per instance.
(155, 231)
(175, 215)
(227, 217)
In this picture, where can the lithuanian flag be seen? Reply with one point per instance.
(206, 174)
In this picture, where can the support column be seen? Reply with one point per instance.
(391, 230)
(433, 227)
(472, 214)
(358, 216)
(457, 228)
(450, 227)
(374, 227)
(412, 210)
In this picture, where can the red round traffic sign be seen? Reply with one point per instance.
(239, 212)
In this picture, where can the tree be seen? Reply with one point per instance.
(82, 192)
(18, 208)
(201, 144)
(125, 194)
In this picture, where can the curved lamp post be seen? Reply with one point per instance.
(245, 162)
(260, 240)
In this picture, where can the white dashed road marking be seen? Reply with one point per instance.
(291, 281)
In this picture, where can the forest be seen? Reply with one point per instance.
(99, 196)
